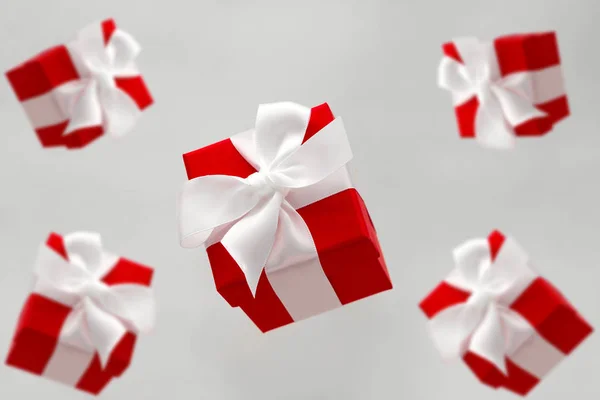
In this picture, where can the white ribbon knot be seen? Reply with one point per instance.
(485, 324)
(101, 314)
(95, 99)
(258, 220)
(504, 102)
(265, 185)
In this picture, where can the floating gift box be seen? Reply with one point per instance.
(509, 325)
(79, 325)
(511, 87)
(287, 235)
(75, 93)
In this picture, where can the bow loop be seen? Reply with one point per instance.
(279, 131)
(208, 202)
(316, 159)
(256, 206)
(74, 275)
(503, 102)
(85, 250)
(488, 338)
(453, 77)
(101, 314)
(485, 323)
(123, 49)
(471, 259)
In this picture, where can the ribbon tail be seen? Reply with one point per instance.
(293, 244)
(73, 331)
(250, 240)
(210, 201)
(120, 112)
(488, 340)
(516, 104)
(86, 110)
(105, 331)
(451, 328)
(491, 127)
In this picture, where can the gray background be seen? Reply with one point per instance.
(209, 64)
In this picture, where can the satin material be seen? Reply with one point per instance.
(95, 99)
(262, 227)
(101, 314)
(485, 324)
(504, 102)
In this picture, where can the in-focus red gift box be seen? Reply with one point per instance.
(35, 80)
(533, 53)
(36, 340)
(340, 225)
(555, 320)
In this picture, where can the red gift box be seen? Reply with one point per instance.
(36, 81)
(558, 330)
(344, 236)
(535, 54)
(36, 346)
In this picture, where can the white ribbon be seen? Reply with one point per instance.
(262, 227)
(504, 102)
(101, 314)
(485, 324)
(95, 99)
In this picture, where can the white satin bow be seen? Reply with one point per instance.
(95, 99)
(101, 314)
(503, 102)
(485, 324)
(262, 227)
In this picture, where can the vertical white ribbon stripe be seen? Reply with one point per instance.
(303, 288)
(68, 364)
(43, 111)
